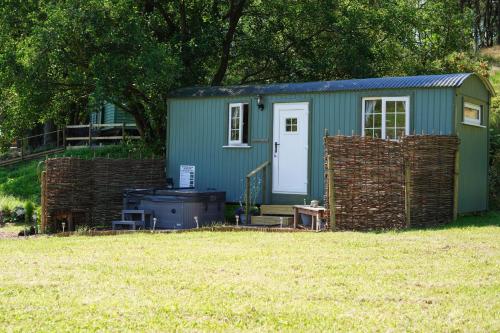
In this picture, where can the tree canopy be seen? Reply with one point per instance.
(60, 59)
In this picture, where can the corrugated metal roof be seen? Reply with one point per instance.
(422, 81)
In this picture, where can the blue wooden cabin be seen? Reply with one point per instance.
(110, 114)
(226, 132)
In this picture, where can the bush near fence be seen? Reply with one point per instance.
(382, 184)
(91, 191)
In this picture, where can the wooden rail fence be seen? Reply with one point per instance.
(70, 136)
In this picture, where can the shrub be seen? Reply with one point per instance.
(6, 213)
(29, 209)
(230, 212)
(38, 213)
(494, 175)
(495, 181)
(82, 230)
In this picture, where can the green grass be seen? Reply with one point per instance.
(438, 280)
(19, 183)
(492, 54)
(10, 201)
(495, 81)
(12, 228)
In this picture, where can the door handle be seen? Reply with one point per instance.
(276, 144)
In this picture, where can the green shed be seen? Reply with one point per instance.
(217, 135)
(110, 114)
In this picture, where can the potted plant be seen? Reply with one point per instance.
(241, 212)
(253, 210)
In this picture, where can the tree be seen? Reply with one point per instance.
(486, 26)
(61, 59)
(73, 55)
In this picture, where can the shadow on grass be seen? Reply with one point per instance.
(487, 219)
(470, 221)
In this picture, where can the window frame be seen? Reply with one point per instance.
(292, 126)
(383, 100)
(239, 142)
(471, 121)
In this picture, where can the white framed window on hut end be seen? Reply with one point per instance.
(238, 124)
(472, 114)
(386, 117)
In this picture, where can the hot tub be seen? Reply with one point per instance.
(177, 208)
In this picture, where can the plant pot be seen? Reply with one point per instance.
(306, 219)
(243, 219)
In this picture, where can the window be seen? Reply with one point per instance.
(291, 125)
(386, 117)
(238, 124)
(472, 114)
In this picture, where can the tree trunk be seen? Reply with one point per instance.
(235, 13)
(47, 128)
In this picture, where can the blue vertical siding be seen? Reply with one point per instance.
(109, 113)
(123, 117)
(197, 132)
(114, 115)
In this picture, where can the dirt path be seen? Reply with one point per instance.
(7, 234)
(10, 230)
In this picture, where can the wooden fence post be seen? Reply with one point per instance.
(247, 199)
(22, 148)
(331, 193)
(408, 195)
(90, 135)
(455, 185)
(264, 176)
(123, 133)
(43, 215)
(64, 136)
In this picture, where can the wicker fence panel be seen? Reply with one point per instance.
(111, 177)
(66, 187)
(94, 186)
(431, 160)
(370, 185)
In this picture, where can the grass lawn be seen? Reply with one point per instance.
(11, 228)
(421, 280)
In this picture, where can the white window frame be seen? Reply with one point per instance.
(472, 121)
(238, 142)
(383, 100)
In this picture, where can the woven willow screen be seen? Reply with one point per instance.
(381, 184)
(93, 188)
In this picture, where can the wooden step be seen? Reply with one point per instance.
(271, 220)
(281, 210)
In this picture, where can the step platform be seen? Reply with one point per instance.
(280, 210)
(271, 220)
(272, 215)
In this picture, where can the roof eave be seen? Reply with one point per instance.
(487, 83)
(457, 80)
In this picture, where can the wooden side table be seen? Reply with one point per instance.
(316, 213)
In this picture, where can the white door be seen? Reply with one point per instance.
(290, 147)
